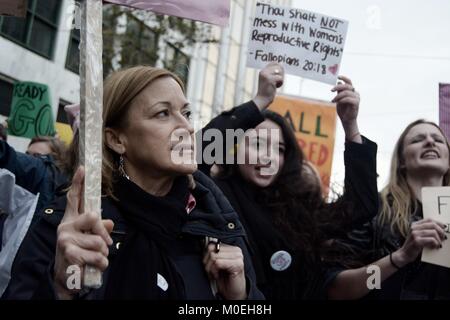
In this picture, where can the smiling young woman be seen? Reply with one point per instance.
(287, 221)
(394, 239)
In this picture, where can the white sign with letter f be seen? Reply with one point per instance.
(436, 205)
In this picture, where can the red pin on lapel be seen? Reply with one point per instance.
(333, 69)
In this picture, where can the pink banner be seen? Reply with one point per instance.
(210, 11)
(444, 108)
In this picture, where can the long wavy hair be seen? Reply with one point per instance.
(397, 198)
(298, 211)
(291, 204)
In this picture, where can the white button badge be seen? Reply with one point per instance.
(162, 283)
(280, 260)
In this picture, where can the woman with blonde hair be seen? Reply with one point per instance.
(394, 240)
(161, 218)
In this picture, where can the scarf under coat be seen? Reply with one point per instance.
(154, 224)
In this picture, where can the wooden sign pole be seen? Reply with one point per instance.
(91, 108)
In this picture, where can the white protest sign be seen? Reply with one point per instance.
(307, 44)
(436, 205)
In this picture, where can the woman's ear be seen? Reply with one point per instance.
(114, 141)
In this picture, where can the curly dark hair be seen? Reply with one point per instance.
(298, 210)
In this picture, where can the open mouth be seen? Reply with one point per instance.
(430, 154)
(260, 167)
(265, 171)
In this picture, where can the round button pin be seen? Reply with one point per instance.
(280, 260)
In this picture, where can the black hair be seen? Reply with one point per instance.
(301, 212)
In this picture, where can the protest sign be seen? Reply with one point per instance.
(307, 44)
(31, 111)
(16, 8)
(314, 125)
(436, 205)
(210, 11)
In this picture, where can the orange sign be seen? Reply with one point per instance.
(314, 124)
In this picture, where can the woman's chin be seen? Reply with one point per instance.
(262, 182)
(186, 168)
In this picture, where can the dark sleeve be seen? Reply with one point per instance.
(357, 247)
(243, 117)
(361, 180)
(354, 250)
(30, 271)
(45, 289)
(29, 171)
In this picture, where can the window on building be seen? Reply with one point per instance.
(38, 30)
(6, 94)
(61, 116)
(139, 45)
(177, 62)
(73, 52)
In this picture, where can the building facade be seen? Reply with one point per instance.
(35, 48)
(43, 47)
(219, 78)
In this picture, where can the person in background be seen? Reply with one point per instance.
(45, 145)
(29, 183)
(395, 238)
(287, 221)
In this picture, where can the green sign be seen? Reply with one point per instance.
(31, 111)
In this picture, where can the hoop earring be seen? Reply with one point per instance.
(122, 168)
